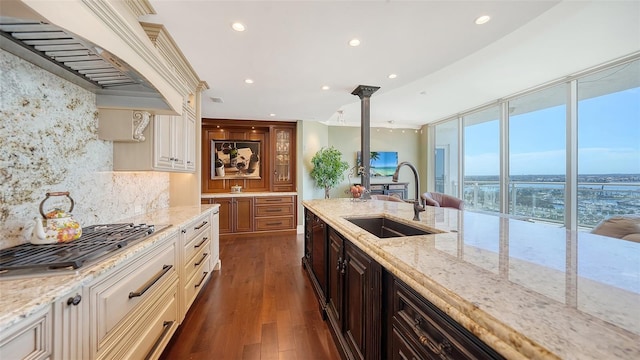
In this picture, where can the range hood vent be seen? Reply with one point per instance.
(69, 52)
(53, 48)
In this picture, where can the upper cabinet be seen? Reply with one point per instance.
(266, 155)
(161, 141)
(283, 150)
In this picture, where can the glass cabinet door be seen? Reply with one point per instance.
(283, 156)
(284, 159)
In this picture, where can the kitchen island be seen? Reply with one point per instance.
(527, 290)
(86, 313)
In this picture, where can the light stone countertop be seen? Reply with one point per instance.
(245, 194)
(21, 297)
(530, 291)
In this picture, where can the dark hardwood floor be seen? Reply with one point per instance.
(260, 306)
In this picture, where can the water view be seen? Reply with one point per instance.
(542, 197)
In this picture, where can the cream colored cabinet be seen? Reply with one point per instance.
(30, 338)
(124, 305)
(196, 253)
(170, 140)
(142, 141)
(68, 334)
(190, 139)
(215, 263)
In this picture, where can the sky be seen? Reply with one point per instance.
(608, 139)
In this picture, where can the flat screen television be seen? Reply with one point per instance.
(383, 163)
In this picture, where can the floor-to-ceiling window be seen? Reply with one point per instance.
(609, 143)
(482, 160)
(446, 158)
(537, 154)
(525, 174)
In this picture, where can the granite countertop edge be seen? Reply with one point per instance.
(17, 297)
(501, 336)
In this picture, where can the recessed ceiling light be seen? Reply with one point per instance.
(325, 87)
(392, 76)
(354, 42)
(238, 26)
(272, 114)
(483, 19)
(248, 81)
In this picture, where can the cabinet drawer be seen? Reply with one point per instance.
(195, 228)
(30, 339)
(273, 200)
(196, 243)
(275, 223)
(152, 331)
(197, 261)
(196, 283)
(374, 187)
(119, 294)
(431, 332)
(400, 350)
(274, 210)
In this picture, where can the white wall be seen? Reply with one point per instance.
(49, 142)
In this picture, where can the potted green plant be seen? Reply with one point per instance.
(328, 168)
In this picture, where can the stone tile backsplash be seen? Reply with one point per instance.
(49, 142)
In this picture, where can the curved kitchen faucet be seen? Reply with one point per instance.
(417, 208)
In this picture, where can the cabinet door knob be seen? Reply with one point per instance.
(74, 300)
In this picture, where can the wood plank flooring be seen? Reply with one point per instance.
(260, 306)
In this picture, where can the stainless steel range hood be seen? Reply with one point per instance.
(27, 32)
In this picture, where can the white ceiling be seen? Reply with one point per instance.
(292, 48)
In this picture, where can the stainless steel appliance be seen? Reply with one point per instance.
(97, 242)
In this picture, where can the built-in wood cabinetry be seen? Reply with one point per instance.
(246, 214)
(371, 313)
(273, 213)
(418, 329)
(315, 255)
(283, 158)
(353, 301)
(236, 214)
(277, 151)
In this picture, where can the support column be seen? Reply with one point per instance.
(364, 92)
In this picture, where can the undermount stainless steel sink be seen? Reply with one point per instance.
(383, 227)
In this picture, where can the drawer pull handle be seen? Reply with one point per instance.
(275, 223)
(201, 225)
(74, 300)
(204, 240)
(273, 210)
(204, 275)
(166, 326)
(149, 284)
(442, 349)
(204, 256)
(273, 200)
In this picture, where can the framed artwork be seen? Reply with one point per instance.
(236, 159)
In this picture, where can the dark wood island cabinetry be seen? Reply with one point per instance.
(372, 314)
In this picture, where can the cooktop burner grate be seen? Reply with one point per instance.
(95, 242)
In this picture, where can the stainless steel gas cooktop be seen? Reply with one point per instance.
(96, 242)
